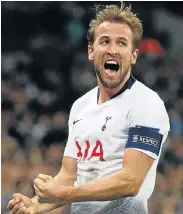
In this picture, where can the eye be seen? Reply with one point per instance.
(104, 42)
(122, 43)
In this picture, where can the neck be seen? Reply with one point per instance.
(107, 93)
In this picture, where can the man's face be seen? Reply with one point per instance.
(112, 53)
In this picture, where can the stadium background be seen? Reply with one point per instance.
(44, 68)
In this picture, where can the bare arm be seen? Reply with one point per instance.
(125, 182)
(66, 177)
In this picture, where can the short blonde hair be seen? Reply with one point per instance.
(114, 13)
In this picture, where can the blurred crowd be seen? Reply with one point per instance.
(44, 69)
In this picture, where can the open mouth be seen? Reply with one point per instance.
(111, 67)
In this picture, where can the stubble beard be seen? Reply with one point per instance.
(110, 85)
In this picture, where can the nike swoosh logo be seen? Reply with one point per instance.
(75, 121)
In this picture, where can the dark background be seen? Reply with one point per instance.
(44, 69)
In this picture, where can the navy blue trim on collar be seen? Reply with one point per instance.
(127, 85)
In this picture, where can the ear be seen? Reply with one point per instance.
(90, 53)
(134, 56)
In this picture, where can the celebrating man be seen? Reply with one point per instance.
(116, 131)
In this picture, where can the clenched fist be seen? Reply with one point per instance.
(21, 204)
(47, 190)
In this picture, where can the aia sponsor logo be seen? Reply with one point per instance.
(90, 153)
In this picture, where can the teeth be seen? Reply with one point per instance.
(111, 62)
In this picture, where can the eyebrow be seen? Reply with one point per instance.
(104, 37)
(107, 37)
(123, 38)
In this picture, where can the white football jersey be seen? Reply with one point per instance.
(99, 133)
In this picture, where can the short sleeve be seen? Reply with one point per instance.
(148, 125)
(70, 149)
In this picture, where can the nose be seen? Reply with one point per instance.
(112, 50)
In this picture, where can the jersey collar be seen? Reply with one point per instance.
(127, 85)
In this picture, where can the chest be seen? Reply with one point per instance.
(101, 121)
(102, 130)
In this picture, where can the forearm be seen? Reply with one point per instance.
(44, 207)
(112, 187)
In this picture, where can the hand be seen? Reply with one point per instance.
(47, 190)
(21, 204)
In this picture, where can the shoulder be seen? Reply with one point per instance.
(145, 98)
(83, 100)
(86, 97)
(147, 108)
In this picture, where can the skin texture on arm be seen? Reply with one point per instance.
(126, 182)
(123, 183)
(66, 177)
